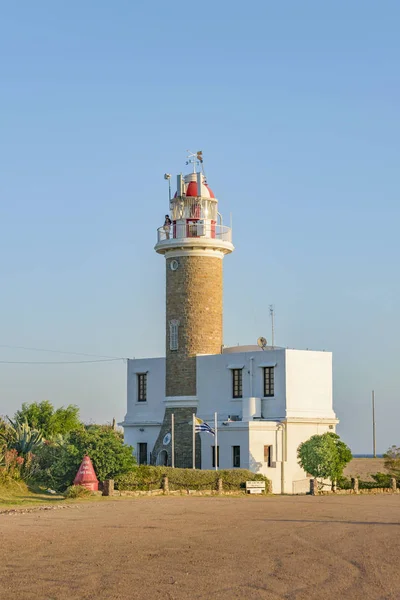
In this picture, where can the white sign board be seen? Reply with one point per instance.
(255, 487)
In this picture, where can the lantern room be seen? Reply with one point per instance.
(193, 215)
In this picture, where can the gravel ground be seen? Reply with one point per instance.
(198, 547)
(363, 467)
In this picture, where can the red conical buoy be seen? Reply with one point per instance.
(86, 475)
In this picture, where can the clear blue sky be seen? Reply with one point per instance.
(296, 108)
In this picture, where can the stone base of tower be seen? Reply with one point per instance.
(183, 436)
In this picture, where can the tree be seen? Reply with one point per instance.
(392, 461)
(58, 461)
(324, 456)
(50, 422)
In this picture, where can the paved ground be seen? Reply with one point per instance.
(342, 547)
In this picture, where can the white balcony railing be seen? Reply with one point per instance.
(194, 229)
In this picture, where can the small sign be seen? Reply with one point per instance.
(255, 487)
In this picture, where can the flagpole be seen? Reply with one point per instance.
(194, 443)
(173, 440)
(216, 440)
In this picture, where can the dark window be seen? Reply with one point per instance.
(142, 387)
(142, 452)
(213, 456)
(236, 456)
(268, 455)
(237, 389)
(268, 381)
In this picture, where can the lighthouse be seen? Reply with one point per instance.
(263, 400)
(194, 244)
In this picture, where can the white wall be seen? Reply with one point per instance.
(214, 382)
(133, 436)
(309, 384)
(153, 408)
(144, 415)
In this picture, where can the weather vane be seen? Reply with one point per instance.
(195, 158)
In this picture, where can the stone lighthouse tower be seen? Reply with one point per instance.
(194, 245)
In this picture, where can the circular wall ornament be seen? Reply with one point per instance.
(167, 439)
(173, 265)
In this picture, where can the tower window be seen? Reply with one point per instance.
(173, 334)
(269, 383)
(237, 387)
(142, 387)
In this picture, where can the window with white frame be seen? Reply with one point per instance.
(173, 334)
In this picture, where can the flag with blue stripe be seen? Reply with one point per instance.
(201, 426)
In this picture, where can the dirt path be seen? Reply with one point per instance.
(205, 548)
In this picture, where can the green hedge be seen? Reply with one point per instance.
(147, 478)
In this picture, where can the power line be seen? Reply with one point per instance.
(61, 362)
(59, 352)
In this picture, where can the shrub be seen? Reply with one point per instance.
(344, 483)
(77, 491)
(392, 461)
(381, 480)
(145, 477)
(58, 461)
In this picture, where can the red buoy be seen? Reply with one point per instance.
(86, 475)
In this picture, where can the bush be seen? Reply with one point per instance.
(392, 461)
(77, 491)
(58, 462)
(145, 478)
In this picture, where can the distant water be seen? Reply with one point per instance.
(367, 456)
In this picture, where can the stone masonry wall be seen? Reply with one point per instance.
(194, 298)
(183, 439)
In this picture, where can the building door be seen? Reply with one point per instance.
(162, 459)
(142, 453)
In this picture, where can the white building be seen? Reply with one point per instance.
(267, 399)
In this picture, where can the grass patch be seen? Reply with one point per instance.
(17, 493)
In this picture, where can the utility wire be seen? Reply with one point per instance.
(59, 352)
(61, 362)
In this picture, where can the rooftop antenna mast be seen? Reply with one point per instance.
(272, 315)
(195, 158)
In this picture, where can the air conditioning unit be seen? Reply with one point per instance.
(234, 418)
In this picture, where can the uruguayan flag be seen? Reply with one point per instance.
(202, 426)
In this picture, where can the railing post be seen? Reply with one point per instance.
(220, 486)
(313, 487)
(354, 485)
(393, 484)
(108, 487)
(165, 485)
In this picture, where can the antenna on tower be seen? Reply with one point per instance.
(195, 158)
(272, 315)
(167, 177)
